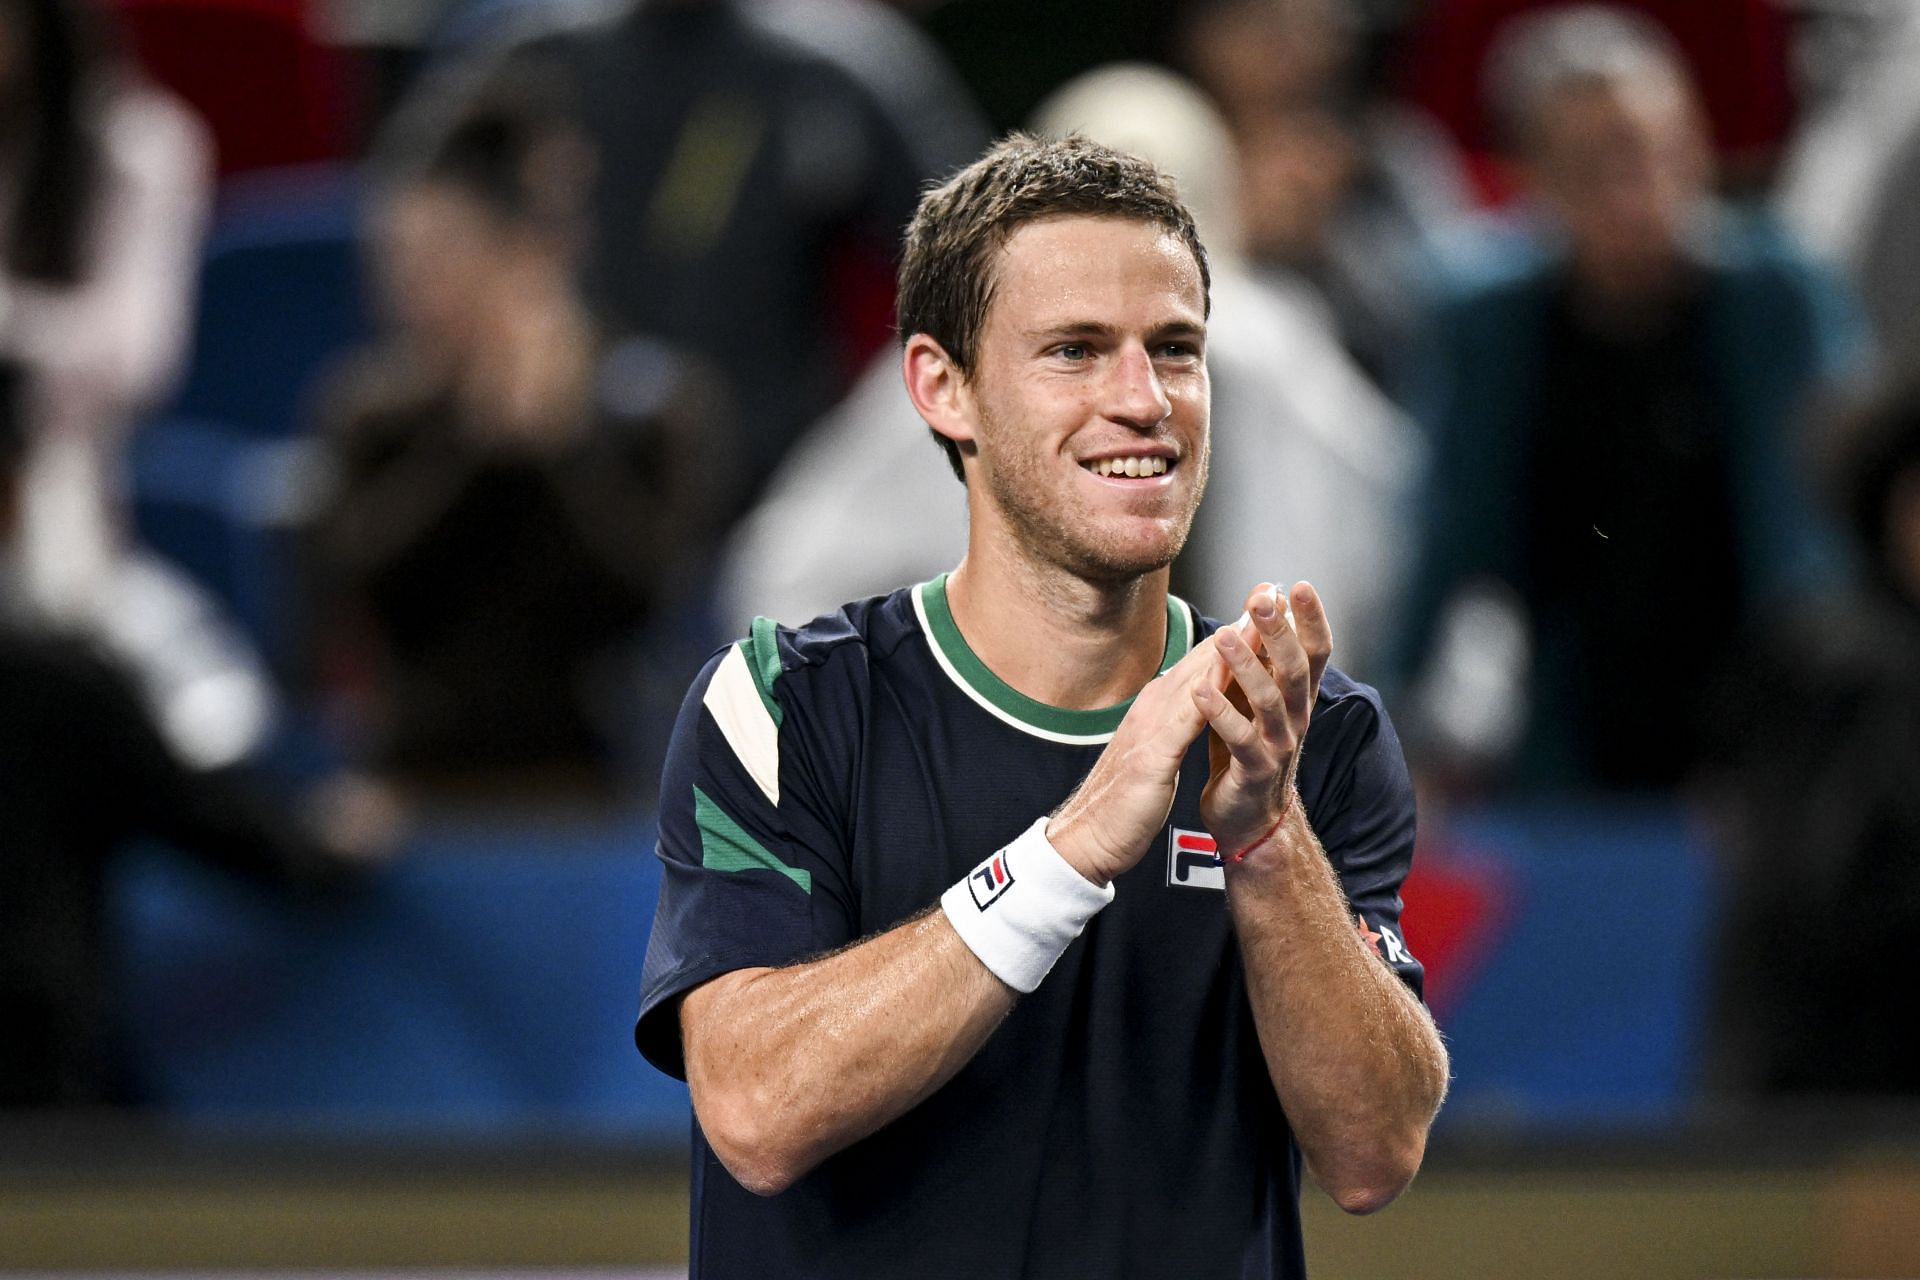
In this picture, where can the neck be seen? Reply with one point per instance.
(1057, 637)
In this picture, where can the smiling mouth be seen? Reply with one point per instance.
(1129, 468)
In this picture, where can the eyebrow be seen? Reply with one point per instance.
(1096, 329)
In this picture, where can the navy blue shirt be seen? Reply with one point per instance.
(824, 784)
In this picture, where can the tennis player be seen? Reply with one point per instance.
(1023, 923)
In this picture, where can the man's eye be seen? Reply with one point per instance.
(1178, 351)
(1071, 351)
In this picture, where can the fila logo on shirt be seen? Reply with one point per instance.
(1193, 861)
(989, 880)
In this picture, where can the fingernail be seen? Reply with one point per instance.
(1262, 607)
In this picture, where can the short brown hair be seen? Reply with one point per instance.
(946, 273)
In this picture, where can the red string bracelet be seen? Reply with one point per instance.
(1264, 835)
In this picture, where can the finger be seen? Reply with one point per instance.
(1268, 615)
(1315, 632)
(1163, 709)
(1256, 683)
(1235, 731)
(1265, 594)
(1202, 659)
(1286, 657)
(1201, 662)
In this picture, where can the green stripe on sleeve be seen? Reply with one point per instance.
(725, 845)
(763, 659)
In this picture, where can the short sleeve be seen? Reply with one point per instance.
(1364, 817)
(753, 855)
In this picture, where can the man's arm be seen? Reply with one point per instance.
(788, 1066)
(1355, 1058)
(1358, 1064)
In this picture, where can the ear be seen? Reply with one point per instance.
(938, 389)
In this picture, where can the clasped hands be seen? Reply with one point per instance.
(1253, 685)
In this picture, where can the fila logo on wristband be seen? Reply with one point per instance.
(1032, 925)
(989, 880)
(1193, 861)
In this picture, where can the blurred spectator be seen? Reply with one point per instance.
(103, 201)
(517, 494)
(861, 500)
(1737, 51)
(1862, 99)
(83, 770)
(1614, 488)
(1341, 189)
(750, 188)
(1817, 760)
(1853, 176)
(866, 499)
(104, 184)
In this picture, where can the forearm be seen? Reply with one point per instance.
(788, 1066)
(1356, 1060)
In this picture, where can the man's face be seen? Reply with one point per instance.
(1091, 365)
(1623, 168)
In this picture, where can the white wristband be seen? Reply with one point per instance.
(1020, 908)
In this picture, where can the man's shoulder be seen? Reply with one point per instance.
(860, 630)
(1351, 696)
(830, 654)
(783, 709)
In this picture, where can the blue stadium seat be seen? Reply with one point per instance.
(226, 506)
(214, 480)
(486, 982)
(280, 298)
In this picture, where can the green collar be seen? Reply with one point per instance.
(964, 668)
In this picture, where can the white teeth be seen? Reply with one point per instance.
(1129, 467)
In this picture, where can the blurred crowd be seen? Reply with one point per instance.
(400, 399)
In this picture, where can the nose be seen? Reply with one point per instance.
(1137, 396)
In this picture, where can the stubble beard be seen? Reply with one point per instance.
(1077, 541)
